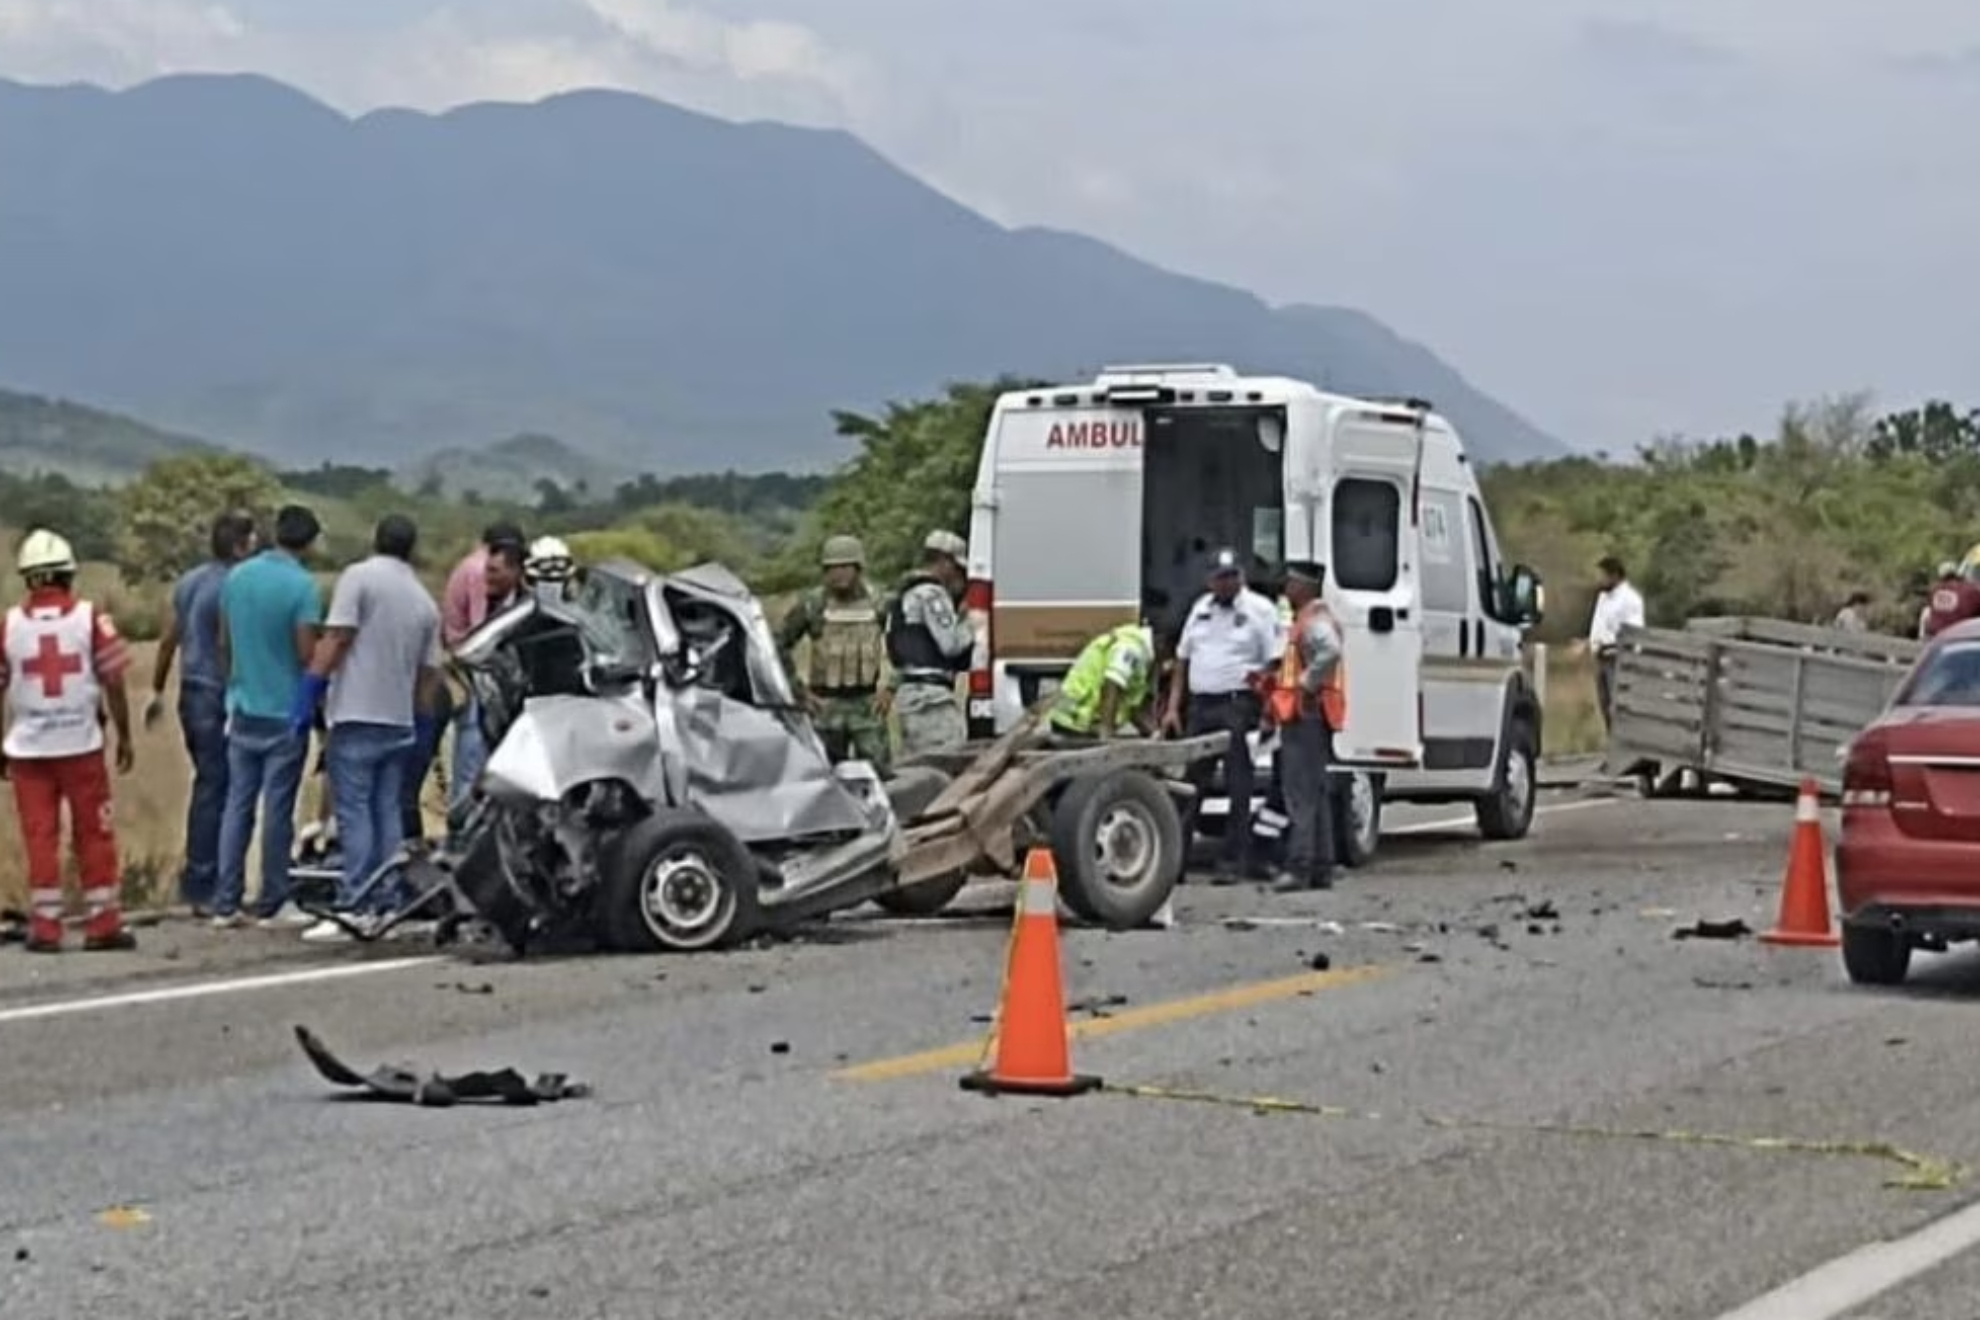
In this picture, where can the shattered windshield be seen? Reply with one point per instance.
(607, 612)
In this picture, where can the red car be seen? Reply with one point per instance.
(1908, 863)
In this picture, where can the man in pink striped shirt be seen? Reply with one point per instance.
(465, 604)
(463, 608)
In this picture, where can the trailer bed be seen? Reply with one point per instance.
(977, 821)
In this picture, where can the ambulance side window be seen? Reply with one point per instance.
(1491, 587)
(1367, 523)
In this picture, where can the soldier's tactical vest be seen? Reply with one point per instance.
(846, 652)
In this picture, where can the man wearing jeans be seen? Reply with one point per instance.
(377, 673)
(270, 609)
(193, 636)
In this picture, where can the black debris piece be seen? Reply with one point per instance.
(1714, 930)
(405, 1086)
(1319, 962)
(780, 1047)
(1708, 983)
(472, 987)
(1508, 864)
(1429, 957)
(1542, 911)
(20, 1255)
(1097, 1005)
(1239, 923)
(1489, 931)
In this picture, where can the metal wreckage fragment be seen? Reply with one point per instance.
(402, 1084)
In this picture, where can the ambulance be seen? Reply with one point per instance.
(1098, 502)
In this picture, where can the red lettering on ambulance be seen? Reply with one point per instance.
(1094, 435)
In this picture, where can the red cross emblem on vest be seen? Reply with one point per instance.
(52, 665)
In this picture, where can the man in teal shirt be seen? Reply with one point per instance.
(271, 611)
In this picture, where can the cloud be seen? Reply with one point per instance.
(1633, 43)
(115, 39)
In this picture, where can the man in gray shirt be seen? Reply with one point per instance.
(377, 670)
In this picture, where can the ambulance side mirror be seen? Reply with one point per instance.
(1524, 596)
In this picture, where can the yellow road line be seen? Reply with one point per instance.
(1227, 1000)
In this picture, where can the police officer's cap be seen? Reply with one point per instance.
(1306, 570)
(1225, 563)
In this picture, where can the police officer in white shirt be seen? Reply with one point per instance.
(1618, 606)
(1230, 637)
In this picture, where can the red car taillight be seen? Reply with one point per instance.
(1867, 775)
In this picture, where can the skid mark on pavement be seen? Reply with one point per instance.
(1250, 995)
(1921, 1173)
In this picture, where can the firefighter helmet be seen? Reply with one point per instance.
(45, 552)
(549, 560)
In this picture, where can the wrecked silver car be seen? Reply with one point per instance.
(652, 776)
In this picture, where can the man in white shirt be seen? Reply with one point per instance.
(1618, 606)
(1230, 637)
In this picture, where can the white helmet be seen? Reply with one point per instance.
(45, 552)
(549, 560)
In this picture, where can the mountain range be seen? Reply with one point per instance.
(664, 291)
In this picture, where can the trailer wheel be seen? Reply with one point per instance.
(1117, 839)
(911, 792)
(676, 881)
(1508, 812)
(1357, 818)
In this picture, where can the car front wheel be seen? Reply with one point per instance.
(679, 882)
(1875, 957)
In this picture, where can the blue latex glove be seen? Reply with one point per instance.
(302, 711)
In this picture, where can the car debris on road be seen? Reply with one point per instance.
(401, 1083)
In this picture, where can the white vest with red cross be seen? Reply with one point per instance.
(52, 693)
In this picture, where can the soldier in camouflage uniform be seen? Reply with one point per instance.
(844, 621)
(929, 644)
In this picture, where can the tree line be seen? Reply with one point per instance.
(1837, 498)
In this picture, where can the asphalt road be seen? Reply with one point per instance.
(779, 1132)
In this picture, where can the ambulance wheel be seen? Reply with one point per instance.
(1117, 840)
(1507, 813)
(1357, 818)
(911, 792)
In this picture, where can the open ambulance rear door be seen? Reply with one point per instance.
(1367, 535)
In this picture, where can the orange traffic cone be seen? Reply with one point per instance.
(1804, 919)
(1034, 1056)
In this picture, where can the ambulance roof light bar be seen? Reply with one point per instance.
(1138, 373)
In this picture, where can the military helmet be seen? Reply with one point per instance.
(842, 550)
(946, 543)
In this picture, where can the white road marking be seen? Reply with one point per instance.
(1847, 1282)
(204, 989)
(1470, 821)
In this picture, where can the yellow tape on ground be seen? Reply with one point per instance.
(1921, 1172)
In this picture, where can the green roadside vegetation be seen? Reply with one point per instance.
(1837, 499)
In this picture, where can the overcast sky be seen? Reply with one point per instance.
(1672, 215)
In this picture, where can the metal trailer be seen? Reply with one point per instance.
(1757, 704)
(1110, 812)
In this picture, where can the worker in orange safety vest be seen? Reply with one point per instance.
(1307, 702)
(61, 662)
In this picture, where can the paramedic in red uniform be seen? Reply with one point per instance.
(1953, 600)
(63, 662)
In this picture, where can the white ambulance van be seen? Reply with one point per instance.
(1097, 502)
